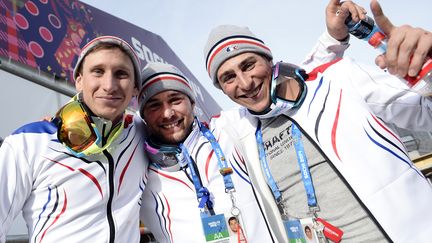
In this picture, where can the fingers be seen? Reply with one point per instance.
(393, 54)
(404, 44)
(407, 49)
(424, 46)
(380, 61)
(333, 6)
(336, 14)
(396, 36)
(342, 13)
(357, 12)
(381, 20)
(332, 10)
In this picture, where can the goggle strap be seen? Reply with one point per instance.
(117, 130)
(95, 148)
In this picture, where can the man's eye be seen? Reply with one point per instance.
(177, 99)
(249, 66)
(122, 74)
(228, 78)
(152, 106)
(97, 71)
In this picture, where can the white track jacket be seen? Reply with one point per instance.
(343, 114)
(68, 199)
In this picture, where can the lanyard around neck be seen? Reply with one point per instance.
(203, 194)
(224, 169)
(302, 162)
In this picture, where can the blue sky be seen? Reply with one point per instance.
(289, 28)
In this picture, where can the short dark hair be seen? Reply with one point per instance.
(232, 218)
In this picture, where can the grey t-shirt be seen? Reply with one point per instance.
(337, 203)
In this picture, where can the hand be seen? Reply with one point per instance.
(407, 46)
(337, 12)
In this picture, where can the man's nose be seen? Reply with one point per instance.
(244, 81)
(168, 111)
(109, 82)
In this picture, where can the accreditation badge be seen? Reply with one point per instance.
(294, 231)
(312, 233)
(215, 228)
(237, 234)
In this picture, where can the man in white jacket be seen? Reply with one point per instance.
(314, 143)
(80, 177)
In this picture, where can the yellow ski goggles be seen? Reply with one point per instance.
(77, 131)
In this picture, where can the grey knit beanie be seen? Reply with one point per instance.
(226, 41)
(157, 77)
(122, 44)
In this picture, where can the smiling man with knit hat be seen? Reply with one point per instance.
(79, 178)
(299, 133)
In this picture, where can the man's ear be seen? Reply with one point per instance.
(78, 83)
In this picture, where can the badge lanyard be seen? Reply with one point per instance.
(202, 192)
(223, 164)
(203, 195)
(303, 164)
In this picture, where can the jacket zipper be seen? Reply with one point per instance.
(111, 188)
(111, 195)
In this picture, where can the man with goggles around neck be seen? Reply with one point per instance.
(80, 177)
(315, 147)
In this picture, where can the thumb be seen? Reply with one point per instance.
(381, 20)
(333, 5)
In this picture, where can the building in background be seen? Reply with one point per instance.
(40, 41)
